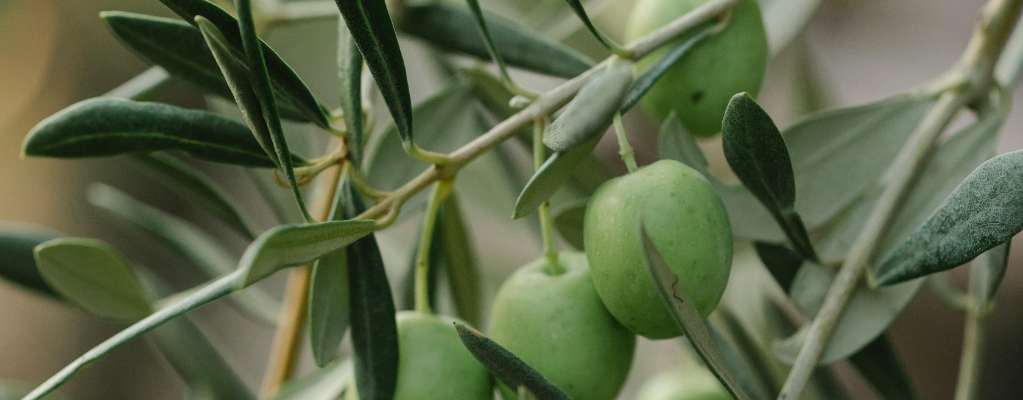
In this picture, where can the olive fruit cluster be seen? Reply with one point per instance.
(697, 88)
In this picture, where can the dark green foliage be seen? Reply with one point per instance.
(506, 367)
(103, 127)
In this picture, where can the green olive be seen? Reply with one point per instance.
(558, 325)
(433, 363)
(687, 223)
(699, 85)
(679, 384)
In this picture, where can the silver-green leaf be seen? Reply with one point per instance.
(590, 113)
(103, 127)
(291, 245)
(93, 276)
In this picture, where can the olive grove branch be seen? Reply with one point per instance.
(975, 69)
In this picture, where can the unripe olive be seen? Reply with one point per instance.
(679, 384)
(558, 325)
(700, 84)
(686, 222)
(433, 363)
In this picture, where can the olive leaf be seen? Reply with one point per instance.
(288, 82)
(181, 51)
(327, 383)
(590, 113)
(488, 40)
(207, 191)
(757, 154)
(103, 127)
(881, 366)
(686, 316)
(983, 212)
(580, 11)
(374, 328)
(550, 177)
(370, 26)
(568, 219)
(93, 276)
(329, 312)
(871, 311)
(782, 262)
(18, 265)
(292, 245)
(988, 271)
(188, 240)
(648, 78)
(349, 63)
(506, 367)
(260, 82)
(444, 25)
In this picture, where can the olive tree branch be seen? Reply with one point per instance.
(976, 67)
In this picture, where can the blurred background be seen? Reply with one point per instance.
(56, 52)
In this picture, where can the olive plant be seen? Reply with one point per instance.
(888, 198)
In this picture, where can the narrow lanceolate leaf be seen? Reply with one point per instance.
(656, 71)
(590, 113)
(881, 366)
(374, 329)
(370, 25)
(488, 39)
(445, 26)
(94, 276)
(568, 219)
(988, 271)
(507, 367)
(687, 316)
(260, 81)
(286, 80)
(756, 152)
(237, 75)
(452, 250)
(329, 312)
(217, 201)
(349, 63)
(292, 245)
(550, 177)
(104, 127)
(179, 48)
(580, 11)
(18, 264)
(984, 211)
(188, 240)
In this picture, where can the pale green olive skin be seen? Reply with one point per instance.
(558, 325)
(678, 384)
(699, 85)
(433, 363)
(686, 222)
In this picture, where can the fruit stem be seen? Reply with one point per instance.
(973, 349)
(422, 294)
(546, 224)
(624, 148)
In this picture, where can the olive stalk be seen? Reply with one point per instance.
(288, 337)
(441, 190)
(546, 224)
(625, 150)
(967, 384)
(976, 67)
